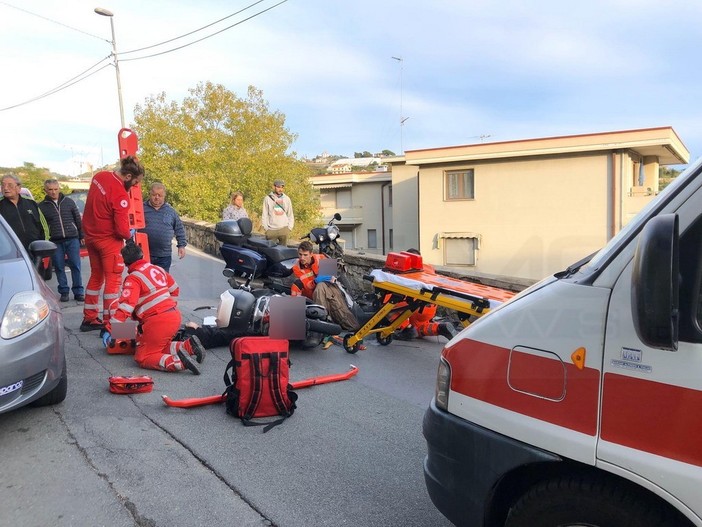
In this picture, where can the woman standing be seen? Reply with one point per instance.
(235, 210)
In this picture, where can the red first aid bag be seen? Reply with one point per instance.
(126, 385)
(257, 380)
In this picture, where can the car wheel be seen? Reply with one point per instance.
(591, 501)
(56, 395)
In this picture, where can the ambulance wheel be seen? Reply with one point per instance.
(347, 347)
(383, 341)
(591, 501)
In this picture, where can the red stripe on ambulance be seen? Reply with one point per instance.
(653, 417)
(480, 371)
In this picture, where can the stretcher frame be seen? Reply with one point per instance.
(464, 303)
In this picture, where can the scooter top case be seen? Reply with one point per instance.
(233, 232)
(243, 261)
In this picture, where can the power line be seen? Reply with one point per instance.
(51, 20)
(67, 84)
(203, 38)
(82, 76)
(191, 32)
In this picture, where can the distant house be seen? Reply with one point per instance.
(525, 208)
(364, 200)
(347, 165)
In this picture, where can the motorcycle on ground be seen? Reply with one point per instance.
(245, 308)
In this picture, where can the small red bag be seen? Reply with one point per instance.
(127, 385)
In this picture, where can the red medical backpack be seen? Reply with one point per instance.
(257, 380)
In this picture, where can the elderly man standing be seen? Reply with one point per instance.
(66, 232)
(162, 225)
(277, 217)
(22, 214)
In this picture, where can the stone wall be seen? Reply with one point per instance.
(200, 234)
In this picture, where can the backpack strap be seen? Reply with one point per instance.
(231, 394)
(257, 379)
(275, 388)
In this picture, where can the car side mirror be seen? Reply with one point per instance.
(655, 283)
(42, 248)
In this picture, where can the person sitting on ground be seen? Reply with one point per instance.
(148, 296)
(321, 290)
(235, 210)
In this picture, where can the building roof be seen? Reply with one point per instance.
(330, 181)
(661, 142)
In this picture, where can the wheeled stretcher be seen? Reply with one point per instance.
(406, 286)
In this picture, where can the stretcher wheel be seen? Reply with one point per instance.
(383, 341)
(350, 349)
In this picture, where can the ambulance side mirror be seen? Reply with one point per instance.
(655, 282)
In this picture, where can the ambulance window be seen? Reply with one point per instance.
(690, 258)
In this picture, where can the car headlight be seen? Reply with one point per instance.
(25, 310)
(443, 384)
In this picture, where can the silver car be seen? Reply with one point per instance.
(32, 360)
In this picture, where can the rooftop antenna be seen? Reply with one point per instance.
(402, 118)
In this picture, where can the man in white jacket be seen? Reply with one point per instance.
(277, 218)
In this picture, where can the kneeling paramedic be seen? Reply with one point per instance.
(148, 296)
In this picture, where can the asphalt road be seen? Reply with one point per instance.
(350, 455)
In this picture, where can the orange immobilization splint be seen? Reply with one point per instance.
(405, 289)
(127, 385)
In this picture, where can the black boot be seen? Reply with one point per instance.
(447, 330)
(188, 362)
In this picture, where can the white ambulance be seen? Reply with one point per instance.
(579, 402)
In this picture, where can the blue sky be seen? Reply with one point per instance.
(471, 71)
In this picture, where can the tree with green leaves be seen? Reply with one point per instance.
(214, 143)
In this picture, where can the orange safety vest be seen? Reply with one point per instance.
(305, 283)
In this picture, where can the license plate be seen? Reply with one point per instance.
(11, 388)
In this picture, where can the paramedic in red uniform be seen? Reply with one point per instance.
(106, 226)
(149, 296)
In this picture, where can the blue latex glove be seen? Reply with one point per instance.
(323, 278)
(132, 232)
(106, 336)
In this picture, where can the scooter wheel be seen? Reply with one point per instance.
(383, 341)
(347, 347)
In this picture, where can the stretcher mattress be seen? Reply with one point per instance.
(418, 284)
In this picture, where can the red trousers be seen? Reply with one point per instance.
(155, 349)
(106, 266)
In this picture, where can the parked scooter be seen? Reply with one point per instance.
(327, 239)
(252, 257)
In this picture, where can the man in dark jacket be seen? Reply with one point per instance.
(22, 214)
(162, 225)
(66, 231)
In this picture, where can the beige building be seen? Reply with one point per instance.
(364, 200)
(525, 208)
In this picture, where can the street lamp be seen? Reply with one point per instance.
(107, 13)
